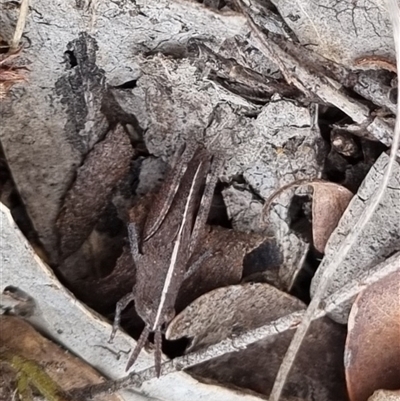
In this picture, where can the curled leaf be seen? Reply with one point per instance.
(329, 202)
(372, 352)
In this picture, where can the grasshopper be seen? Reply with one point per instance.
(171, 234)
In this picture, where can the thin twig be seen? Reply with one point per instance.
(136, 379)
(279, 191)
(19, 29)
(349, 241)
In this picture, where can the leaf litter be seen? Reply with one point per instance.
(338, 228)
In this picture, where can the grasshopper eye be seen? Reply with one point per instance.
(168, 317)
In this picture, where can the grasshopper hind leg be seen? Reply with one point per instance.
(157, 355)
(144, 337)
(141, 343)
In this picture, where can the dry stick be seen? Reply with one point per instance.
(348, 243)
(222, 348)
(19, 29)
(304, 79)
(279, 191)
(310, 83)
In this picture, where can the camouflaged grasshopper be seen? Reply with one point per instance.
(171, 234)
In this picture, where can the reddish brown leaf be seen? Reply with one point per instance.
(372, 356)
(329, 202)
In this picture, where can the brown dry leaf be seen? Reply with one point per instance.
(102, 170)
(19, 338)
(223, 266)
(372, 356)
(230, 310)
(329, 202)
(318, 374)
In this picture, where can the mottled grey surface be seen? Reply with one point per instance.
(341, 31)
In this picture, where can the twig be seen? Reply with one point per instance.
(348, 243)
(279, 191)
(222, 348)
(19, 29)
(313, 85)
(303, 79)
(376, 62)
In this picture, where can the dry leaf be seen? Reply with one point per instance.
(372, 356)
(223, 267)
(103, 168)
(228, 312)
(329, 202)
(255, 367)
(19, 339)
(338, 305)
